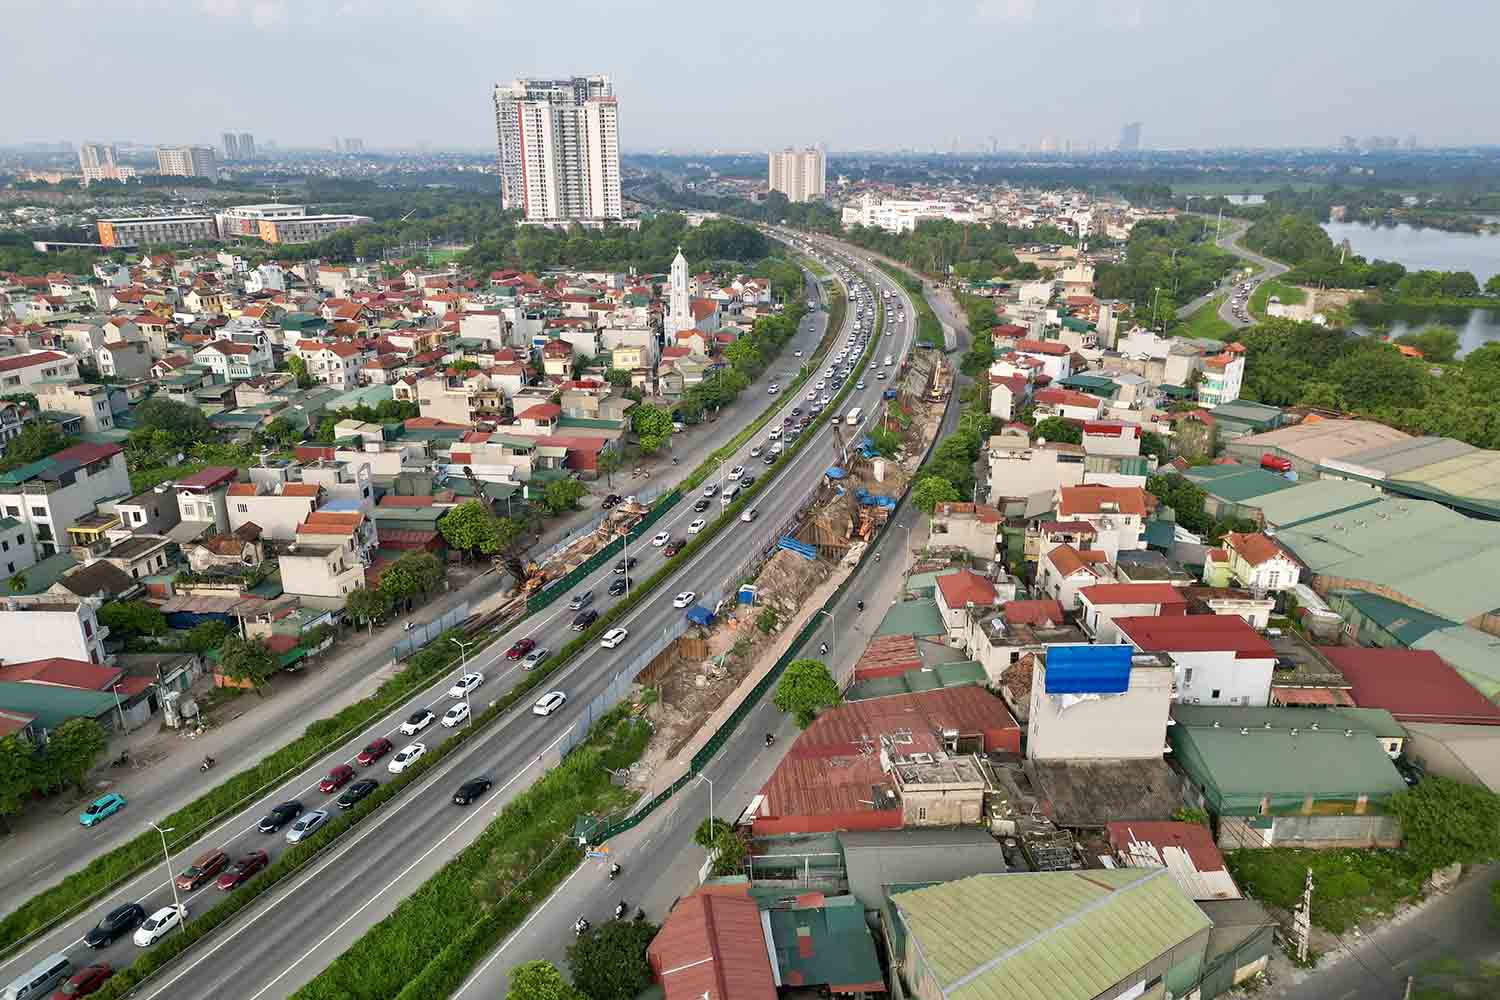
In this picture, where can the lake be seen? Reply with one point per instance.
(1421, 249)
(1474, 326)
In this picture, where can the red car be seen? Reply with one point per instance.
(202, 870)
(520, 648)
(378, 748)
(241, 870)
(673, 547)
(85, 981)
(337, 778)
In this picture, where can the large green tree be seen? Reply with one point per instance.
(71, 751)
(298, 367)
(471, 528)
(540, 980)
(1444, 821)
(725, 844)
(929, 491)
(36, 441)
(805, 688)
(411, 576)
(562, 495)
(1057, 430)
(367, 605)
(247, 660)
(132, 618)
(652, 426)
(185, 424)
(609, 963)
(19, 774)
(1437, 343)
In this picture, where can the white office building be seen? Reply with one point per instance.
(896, 216)
(559, 149)
(800, 174)
(187, 161)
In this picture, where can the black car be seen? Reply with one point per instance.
(610, 501)
(471, 790)
(116, 923)
(620, 586)
(623, 565)
(585, 619)
(747, 481)
(357, 791)
(796, 411)
(701, 505)
(280, 816)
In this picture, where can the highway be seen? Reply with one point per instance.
(1268, 269)
(288, 936)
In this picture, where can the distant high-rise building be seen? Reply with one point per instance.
(354, 145)
(187, 161)
(559, 148)
(338, 144)
(231, 146)
(1130, 137)
(97, 161)
(247, 146)
(800, 174)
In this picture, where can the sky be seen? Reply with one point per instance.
(878, 74)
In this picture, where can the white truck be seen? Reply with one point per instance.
(853, 418)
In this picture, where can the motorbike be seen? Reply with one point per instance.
(621, 909)
(640, 913)
(823, 649)
(614, 870)
(121, 761)
(770, 739)
(580, 927)
(207, 764)
(859, 605)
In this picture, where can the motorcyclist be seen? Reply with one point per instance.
(614, 869)
(877, 557)
(580, 926)
(208, 762)
(770, 738)
(823, 648)
(621, 910)
(859, 605)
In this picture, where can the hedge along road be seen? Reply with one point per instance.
(549, 628)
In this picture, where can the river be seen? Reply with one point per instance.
(1420, 249)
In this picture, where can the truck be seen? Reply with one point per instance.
(1275, 463)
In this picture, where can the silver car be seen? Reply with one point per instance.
(307, 824)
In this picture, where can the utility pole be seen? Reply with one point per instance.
(1302, 920)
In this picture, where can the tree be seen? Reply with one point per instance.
(298, 367)
(805, 687)
(412, 575)
(132, 617)
(1153, 444)
(618, 377)
(768, 620)
(206, 636)
(929, 491)
(71, 752)
(726, 846)
(562, 495)
(284, 432)
(1184, 497)
(1445, 821)
(1438, 344)
(609, 463)
(18, 775)
(1491, 287)
(885, 442)
(610, 962)
(1057, 431)
(36, 441)
(539, 980)
(185, 424)
(471, 528)
(366, 605)
(247, 660)
(652, 426)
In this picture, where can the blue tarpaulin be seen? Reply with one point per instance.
(1088, 669)
(699, 615)
(834, 472)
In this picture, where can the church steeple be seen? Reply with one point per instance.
(679, 307)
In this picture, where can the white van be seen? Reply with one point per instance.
(775, 434)
(853, 417)
(889, 360)
(730, 493)
(40, 981)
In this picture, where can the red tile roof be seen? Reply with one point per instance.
(965, 587)
(1194, 839)
(984, 512)
(1254, 547)
(1074, 500)
(541, 411)
(1163, 594)
(12, 723)
(1067, 397)
(88, 454)
(1052, 348)
(1196, 633)
(208, 478)
(1414, 685)
(1041, 612)
(1068, 560)
(301, 490)
(392, 500)
(712, 946)
(60, 671)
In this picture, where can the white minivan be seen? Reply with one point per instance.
(40, 980)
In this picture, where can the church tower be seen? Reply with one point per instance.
(679, 308)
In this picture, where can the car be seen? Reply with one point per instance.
(755, 452)
(336, 779)
(770, 458)
(468, 682)
(700, 505)
(674, 547)
(581, 600)
(307, 824)
(520, 648)
(697, 526)
(356, 792)
(205, 867)
(736, 472)
(409, 755)
(710, 490)
(624, 565)
(749, 515)
(747, 481)
(158, 925)
(282, 814)
(661, 538)
(585, 619)
(613, 637)
(608, 502)
(880, 376)
(772, 389)
(798, 353)
(85, 981)
(471, 790)
(796, 411)
(860, 384)
(116, 923)
(376, 749)
(534, 657)
(812, 394)
(102, 808)
(417, 721)
(821, 385)
(240, 872)
(683, 599)
(549, 703)
(620, 586)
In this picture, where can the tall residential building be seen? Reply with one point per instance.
(1130, 137)
(247, 146)
(354, 145)
(97, 161)
(187, 161)
(559, 148)
(231, 146)
(800, 174)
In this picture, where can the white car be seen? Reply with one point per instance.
(457, 713)
(736, 472)
(799, 354)
(549, 703)
(410, 754)
(661, 538)
(613, 638)
(465, 684)
(683, 599)
(158, 924)
(750, 515)
(772, 389)
(821, 385)
(416, 722)
(812, 394)
(755, 452)
(860, 384)
(697, 526)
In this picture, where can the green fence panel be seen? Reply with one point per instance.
(564, 584)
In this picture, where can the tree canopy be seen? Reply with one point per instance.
(132, 618)
(247, 660)
(1444, 821)
(652, 426)
(609, 963)
(410, 576)
(805, 688)
(540, 980)
(36, 441)
(471, 528)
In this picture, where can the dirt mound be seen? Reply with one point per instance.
(787, 579)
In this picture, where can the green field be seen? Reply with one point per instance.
(1205, 321)
(1288, 294)
(437, 258)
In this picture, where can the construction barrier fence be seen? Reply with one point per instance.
(565, 583)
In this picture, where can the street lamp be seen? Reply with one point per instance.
(704, 778)
(625, 537)
(115, 687)
(167, 859)
(463, 653)
(834, 619)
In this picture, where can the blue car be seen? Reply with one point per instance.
(102, 807)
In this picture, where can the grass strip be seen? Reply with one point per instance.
(1289, 295)
(428, 944)
(929, 328)
(1205, 321)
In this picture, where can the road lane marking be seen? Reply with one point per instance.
(474, 977)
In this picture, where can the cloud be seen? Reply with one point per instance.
(1009, 11)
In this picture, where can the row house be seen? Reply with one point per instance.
(49, 496)
(22, 372)
(335, 364)
(234, 360)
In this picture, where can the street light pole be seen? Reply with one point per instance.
(705, 778)
(463, 654)
(625, 537)
(115, 687)
(167, 859)
(833, 618)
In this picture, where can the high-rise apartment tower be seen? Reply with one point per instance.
(559, 148)
(187, 161)
(800, 174)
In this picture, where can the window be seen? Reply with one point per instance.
(1215, 694)
(12, 511)
(921, 813)
(243, 508)
(39, 512)
(1273, 578)
(1187, 675)
(88, 629)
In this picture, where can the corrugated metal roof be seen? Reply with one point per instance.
(1474, 654)
(912, 618)
(1046, 935)
(1406, 623)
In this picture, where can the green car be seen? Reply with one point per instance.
(102, 808)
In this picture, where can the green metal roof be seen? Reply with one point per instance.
(1315, 499)
(1237, 483)
(912, 618)
(1474, 654)
(53, 704)
(1245, 411)
(587, 423)
(827, 945)
(42, 575)
(943, 675)
(1403, 622)
(1046, 935)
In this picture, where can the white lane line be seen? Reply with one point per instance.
(517, 933)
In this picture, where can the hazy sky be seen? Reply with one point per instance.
(698, 76)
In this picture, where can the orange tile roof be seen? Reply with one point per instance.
(1254, 547)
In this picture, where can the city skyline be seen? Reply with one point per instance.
(1199, 82)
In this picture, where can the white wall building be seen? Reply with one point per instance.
(679, 300)
(1129, 725)
(897, 216)
(559, 151)
(1217, 659)
(187, 161)
(800, 174)
(1223, 374)
(43, 626)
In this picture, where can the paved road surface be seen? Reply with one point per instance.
(284, 939)
(1268, 269)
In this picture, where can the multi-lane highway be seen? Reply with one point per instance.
(286, 937)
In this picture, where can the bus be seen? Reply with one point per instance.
(853, 418)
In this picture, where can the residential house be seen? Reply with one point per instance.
(1020, 468)
(13, 419)
(975, 528)
(959, 592)
(1009, 395)
(1102, 603)
(1252, 560)
(1063, 571)
(154, 512)
(51, 495)
(1097, 703)
(202, 499)
(1056, 357)
(1218, 659)
(336, 364)
(1066, 404)
(321, 570)
(557, 359)
(88, 401)
(50, 625)
(460, 398)
(713, 944)
(139, 555)
(234, 553)
(17, 551)
(124, 359)
(276, 512)
(235, 360)
(1118, 514)
(1187, 850)
(21, 372)
(1223, 375)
